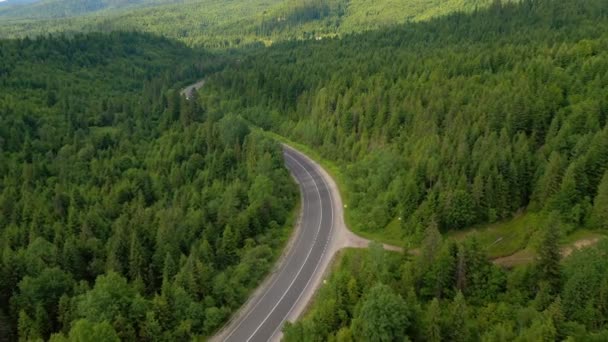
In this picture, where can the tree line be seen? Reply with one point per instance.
(451, 292)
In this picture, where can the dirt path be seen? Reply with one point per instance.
(189, 90)
(527, 256)
(580, 244)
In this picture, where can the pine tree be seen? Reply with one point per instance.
(549, 183)
(556, 314)
(599, 214)
(136, 258)
(549, 267)
(432, 321)
(459, 319)
(228, 247)
(431, 243)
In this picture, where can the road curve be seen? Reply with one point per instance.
(263, 319)
(320, 234)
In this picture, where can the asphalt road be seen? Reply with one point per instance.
(266, 314)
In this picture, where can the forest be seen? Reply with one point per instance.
(463, 120)
(127, 212)
(220, 24)
(130, 213)
(451, 292)
(438, 126)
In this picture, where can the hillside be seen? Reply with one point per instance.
(464, 121)
(221, 24)
(16, 2)
(459, 129)
(459, 121)
(67, 8)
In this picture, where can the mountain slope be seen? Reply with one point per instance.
(125, 209)
(69, 8)
(455, 122)
(219, 24)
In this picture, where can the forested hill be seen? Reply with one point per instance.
(227, 24)
(127, 212)
(68, 8)
(440, 126)
(462, 120)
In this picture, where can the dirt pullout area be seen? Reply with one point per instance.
(189, 90)
(527, 256)
(580, 244)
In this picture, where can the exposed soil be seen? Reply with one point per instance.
(527, 256)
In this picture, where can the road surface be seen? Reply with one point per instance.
(266, 315)
(189, 91)
(321, 233)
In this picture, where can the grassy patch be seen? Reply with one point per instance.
(392, 234)
(503, 238)
(513, 243)
(581, 234)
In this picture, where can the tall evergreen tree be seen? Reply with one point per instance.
(599, 214)
(549, 268)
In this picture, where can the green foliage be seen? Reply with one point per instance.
(599, 215)
(85, 331)
(489, 307)
(127, 212)
(382, 316)
(585, 287)
(418, 138)
(222, 24)
(549, 258)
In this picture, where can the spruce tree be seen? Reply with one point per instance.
(549, 268)
(599, 214)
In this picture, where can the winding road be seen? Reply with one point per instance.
(320, 233)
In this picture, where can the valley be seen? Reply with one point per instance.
(192, 170)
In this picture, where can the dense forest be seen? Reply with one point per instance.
(451, 292)
(127, 212)
(437, 126)
(130, 213)
(221, 24)
(67, 8)
(463, 120)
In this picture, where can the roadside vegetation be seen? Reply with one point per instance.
(512, 123)
(451, 292)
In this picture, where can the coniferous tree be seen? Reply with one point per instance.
(599, 214)
(549, 268)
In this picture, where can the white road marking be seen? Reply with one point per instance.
(306, 204)
(320, 259)
(305, 260)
